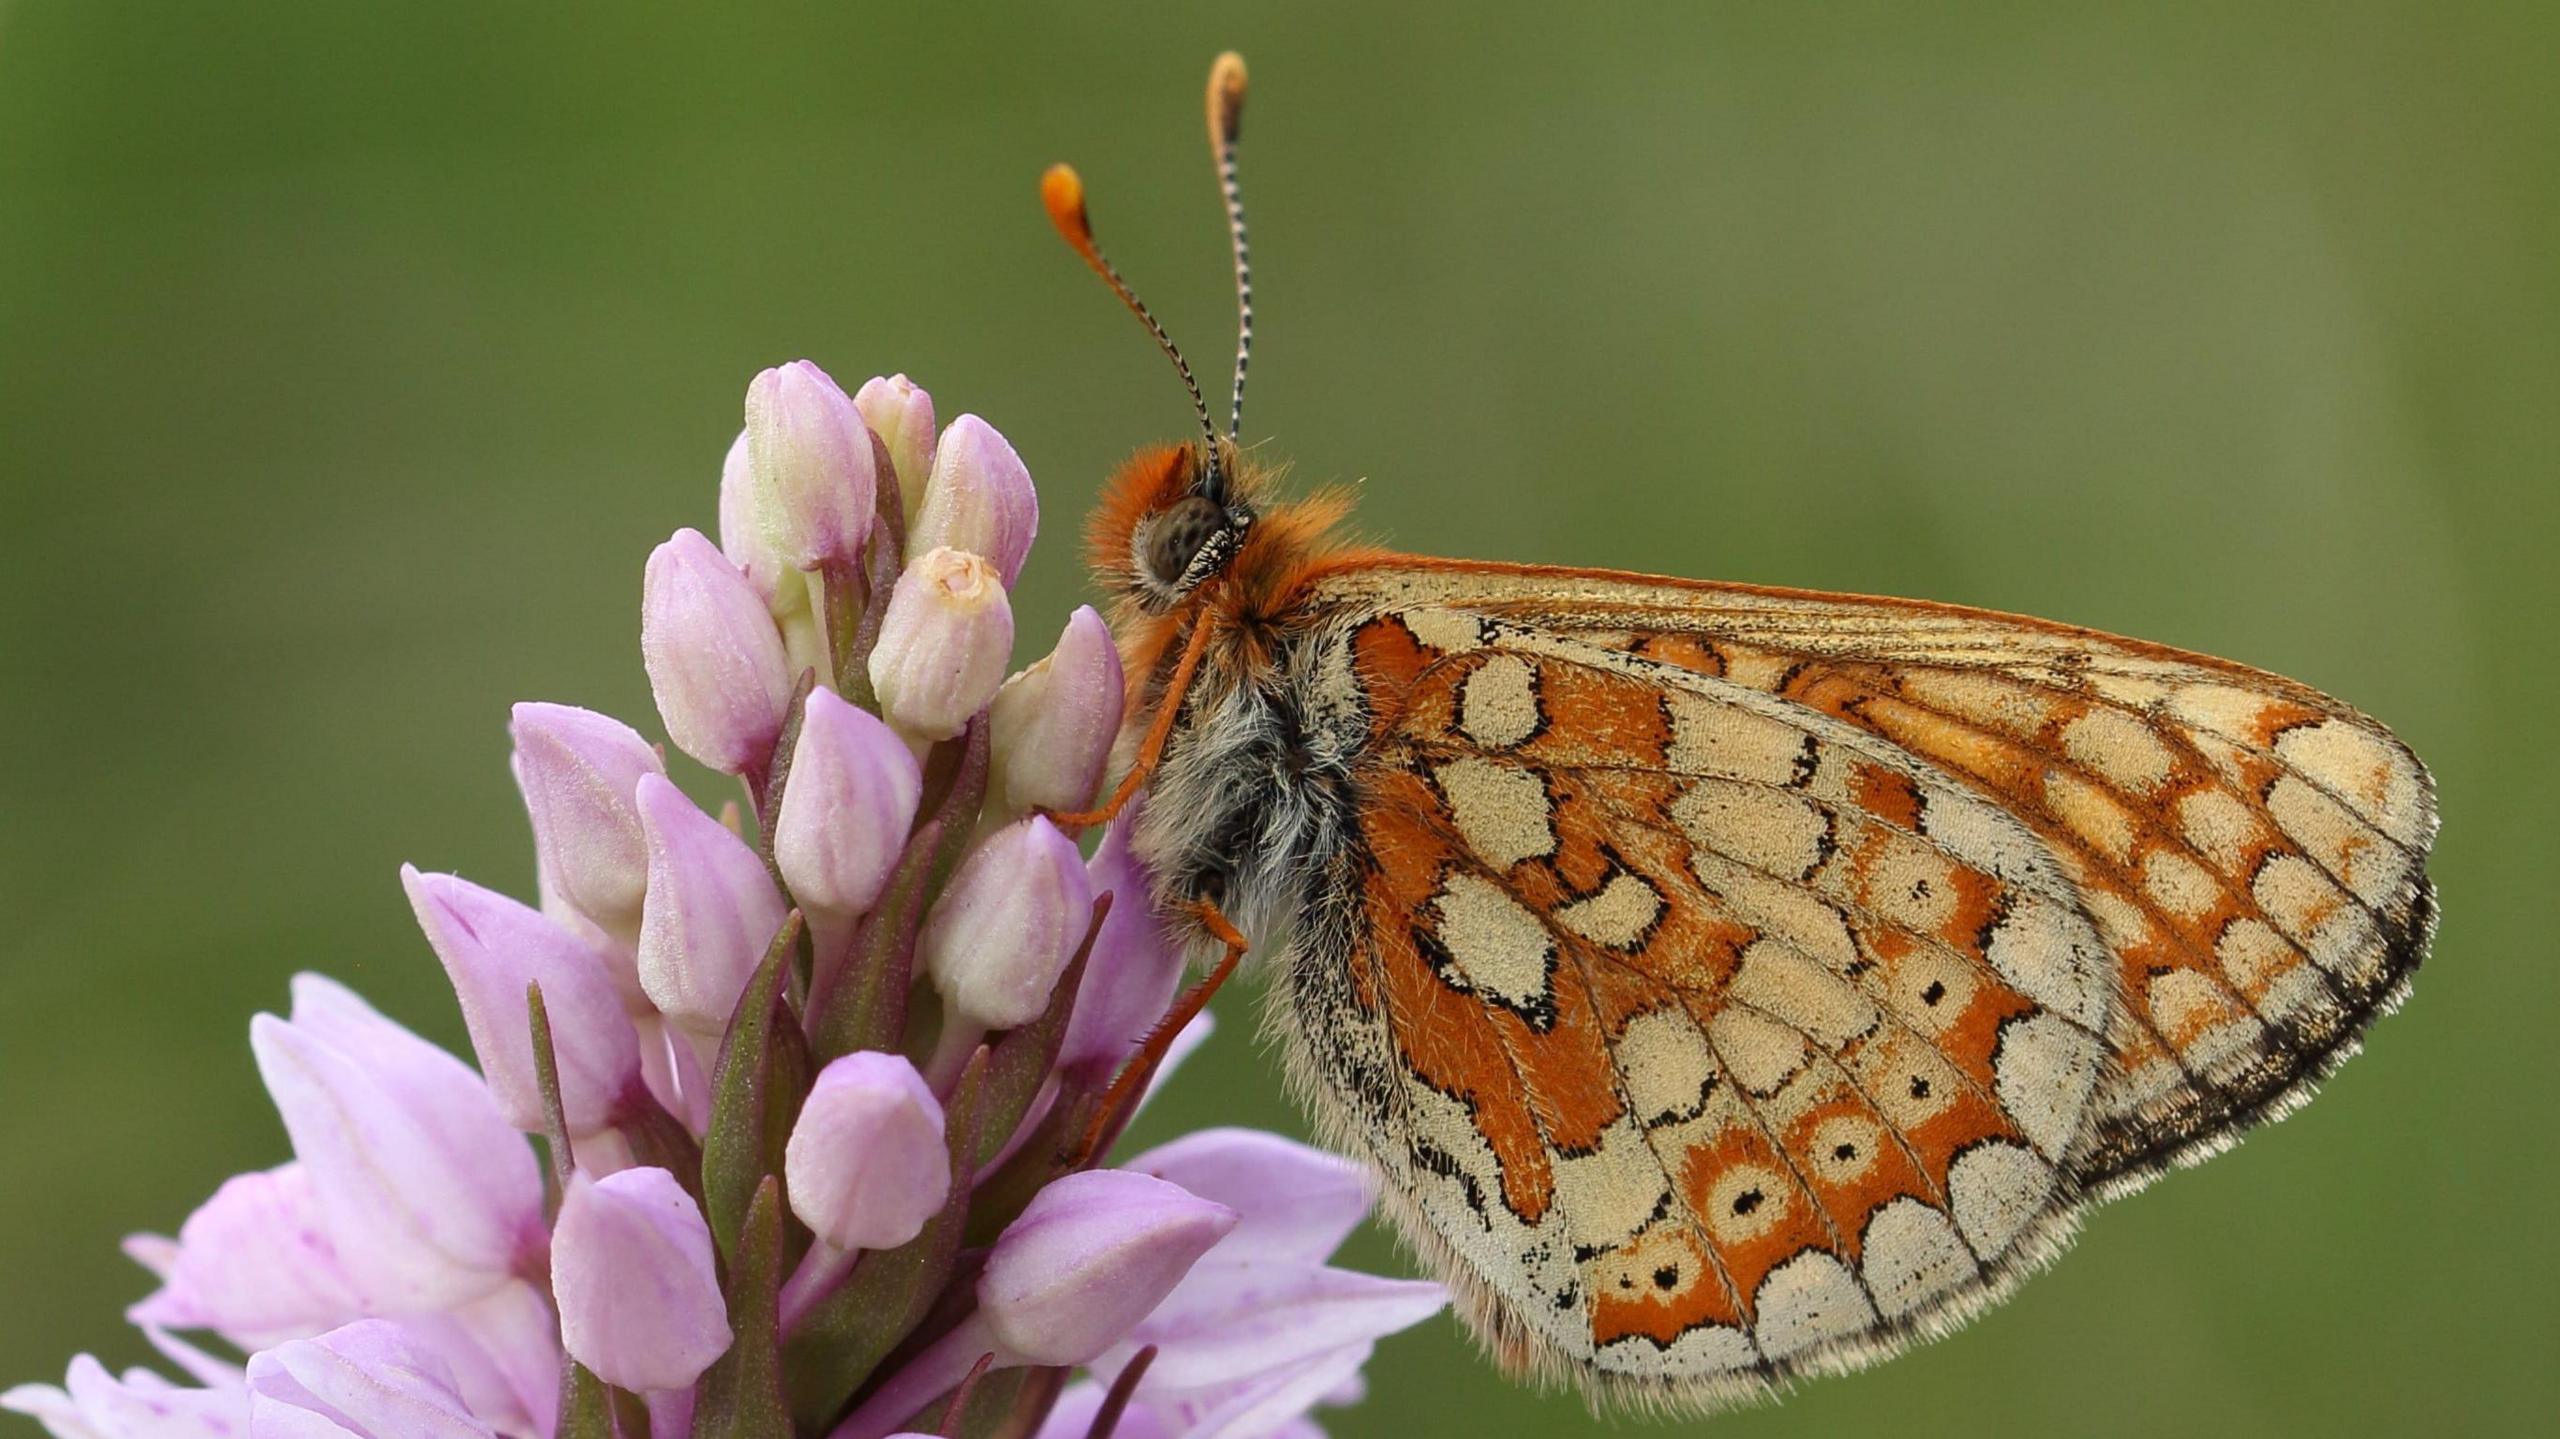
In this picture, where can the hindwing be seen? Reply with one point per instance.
(1732, 983)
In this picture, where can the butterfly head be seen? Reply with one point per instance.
(1169, 523)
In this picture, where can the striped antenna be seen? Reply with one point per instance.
(1226, 126)
(1062, 195)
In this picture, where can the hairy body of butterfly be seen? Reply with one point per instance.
(1727, 983)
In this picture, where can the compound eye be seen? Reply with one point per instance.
(1179, 535)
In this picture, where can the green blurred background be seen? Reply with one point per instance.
(353, 356)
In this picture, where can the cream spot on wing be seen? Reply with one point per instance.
(2300, 899)
(2250, 952)
(2180, 886)
(2183, 1001)
(1708, 738)
(1498, 703)
(1911, 1255)
(1501, 810)
(1775, 831)
(1745, 1202)
(1806, 1301)
(1756, 1050)
(2117, 747)
(2050, 954)
(2090, 812)
(1666, 1063)
(1759, 669)
(2042, 1072)
(2120, 922)
(2222, 709)
(2234, 1044)
(1703, 1351)
(1911, 885)
(2219, 826)
(1610, 1193)
(1997, 1189)
(2377, 778)
(1780, 908)
(1778, 980)
(2296, 996)
(1844, 1147)
(2003, 704)
(1910, 1082)
(1498, 946)
(1983, 836)
(1449, 630)
(2145, 1083)
(1929, 988)
(1619, 916)
(2342, 844)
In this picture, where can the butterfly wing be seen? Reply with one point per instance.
(1735, 982)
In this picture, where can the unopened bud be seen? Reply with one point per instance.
(715, 661)
(979, 499)
(943, 644)
(899, 411)
(813, 476)
(867, 1164)
(639, 1297)
(1089, 1257)
(711, 913)
(1008, 923)
(845, 812)
(1053, 724)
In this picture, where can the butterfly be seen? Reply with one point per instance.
(1729, 983)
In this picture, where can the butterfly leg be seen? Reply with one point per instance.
(1151, 749)
(1112, 1114)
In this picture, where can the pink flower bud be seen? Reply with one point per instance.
(366, 1380)
(577, 769)
(747, 544)
(1007, 923)
(901, 414)
(979, 499)
(492, 948)
(1088, 1258)
(715, 660)
(847, 807)
(427, 1194)
(639, 1298)
(943, 644)
(711, 913)
(812, 474)
(1054, 722)
(867, 1165)
(1130, 979)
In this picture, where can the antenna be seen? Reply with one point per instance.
(1226, 127)
(1062, 194)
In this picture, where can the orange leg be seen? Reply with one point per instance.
(1151, 749)
(1112, 1113)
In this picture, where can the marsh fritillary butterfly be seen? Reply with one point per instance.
(1732, 983)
